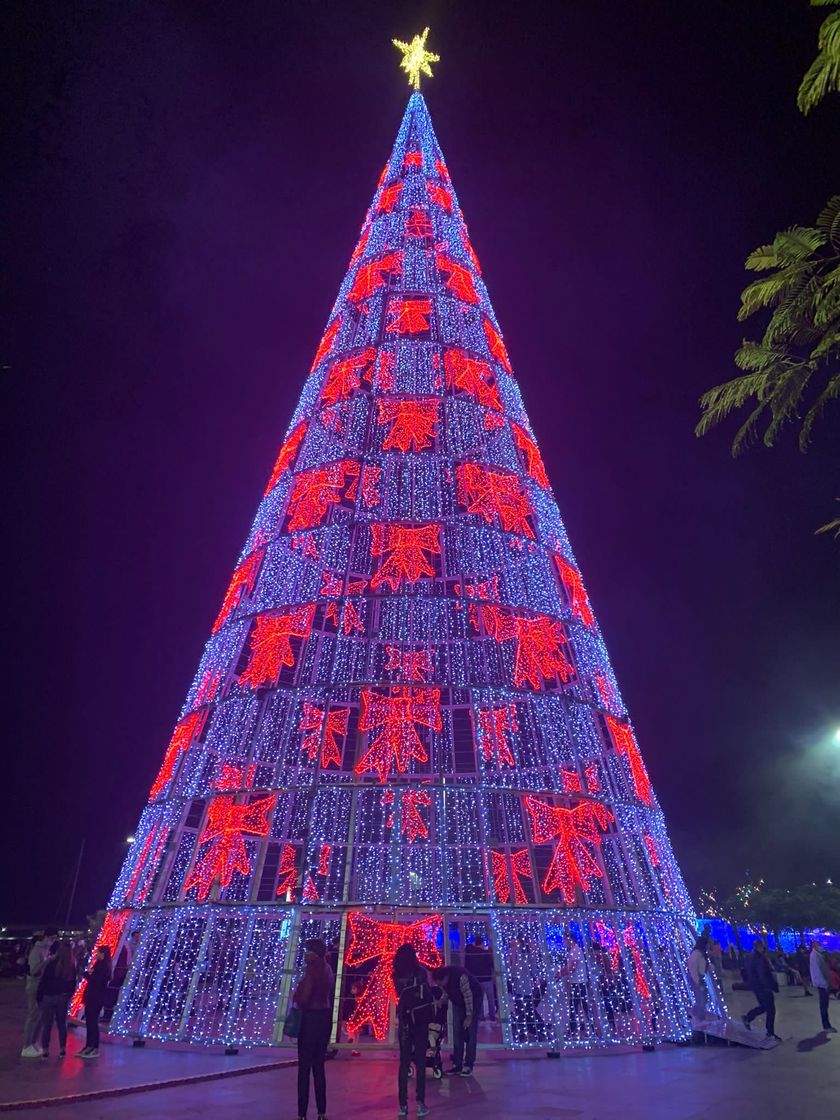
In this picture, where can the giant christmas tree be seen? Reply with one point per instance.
(405, 725)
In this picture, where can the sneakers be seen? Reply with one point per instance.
(83, 1053)
(773, 1037)
(403, 1110)
(33, 1050)
(62, 1053)
(92, 1053)
(422, 1110)
(746, 1022)
(830, 1030)
(466, 1071)
(452, 1071)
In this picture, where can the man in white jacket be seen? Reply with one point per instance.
(821, 980)
(36, 962)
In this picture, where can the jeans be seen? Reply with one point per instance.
(489, 988)
(54, 1008)
(92, 1013)
(313, 1040)
(32, 1023)
(766, 1006)
(462, 1035)
(823, 994)
(413, 1043)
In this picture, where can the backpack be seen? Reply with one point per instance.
(416, 1006)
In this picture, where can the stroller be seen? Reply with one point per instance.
(437, 1037)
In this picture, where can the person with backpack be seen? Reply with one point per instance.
(36, 960)
(314, 997)
(96, 987)
(415, 1011)
(465, 994)
(54, 991)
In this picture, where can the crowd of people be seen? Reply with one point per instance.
(52, 967)
(758, 971)
(424, 998)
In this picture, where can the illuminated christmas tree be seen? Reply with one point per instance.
(405, 726)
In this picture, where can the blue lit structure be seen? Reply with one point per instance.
(405, 720)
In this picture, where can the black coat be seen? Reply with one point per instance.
(760, 975)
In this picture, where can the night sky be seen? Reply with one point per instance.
(183, 186)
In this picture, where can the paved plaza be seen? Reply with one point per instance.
(799, 1079)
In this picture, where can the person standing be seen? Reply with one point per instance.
(54, 991)
(464, 993)
(97, 981)
(36, 960)
(313, 996)
(415, 1011)
(821, 979)
(697, 965)
(478, 960)
(803, 967)
(763, 984)
(715, 955)
(575, 969)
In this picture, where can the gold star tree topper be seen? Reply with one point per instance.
(415, 58)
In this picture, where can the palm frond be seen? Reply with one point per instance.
(762, 257)
(829, 219)
(823, 75)
(830, 393)
(797, 243)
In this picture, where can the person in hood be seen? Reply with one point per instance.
(313, 997)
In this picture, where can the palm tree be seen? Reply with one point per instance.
(793, 372)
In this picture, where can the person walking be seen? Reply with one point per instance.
(97, 980)
(464, 993)
(313, 996)
(36, 960)
(697, 966)
(415, 1010)
(763, 984)
(54, 991)
(478, 960)
(821, 979)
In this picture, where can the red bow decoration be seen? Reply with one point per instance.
(626, 746)
(494, 494)
(418, 224)
(323, 733)
(326, 343)
(472, 376)
(520, 864)
(271, 644)
(460, 280)
(573, 829)
(286, 456)
(414, 665)
(227, 823)
(409, 316)
(406, 551)
(371, 277)
(412, 821)
(578, 599)
(533, 460)
(370, 940)
(313, 492)
(396, 715)
(347, 375)
(538, 640)
(497, 347)
(440, 196)
(389, 198)
(185, 731)
(412, 423)
(490, 733)
(242, 583)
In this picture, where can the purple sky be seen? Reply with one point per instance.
(184, 184)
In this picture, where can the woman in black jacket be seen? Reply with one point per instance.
(54, 991)
(96, 984)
